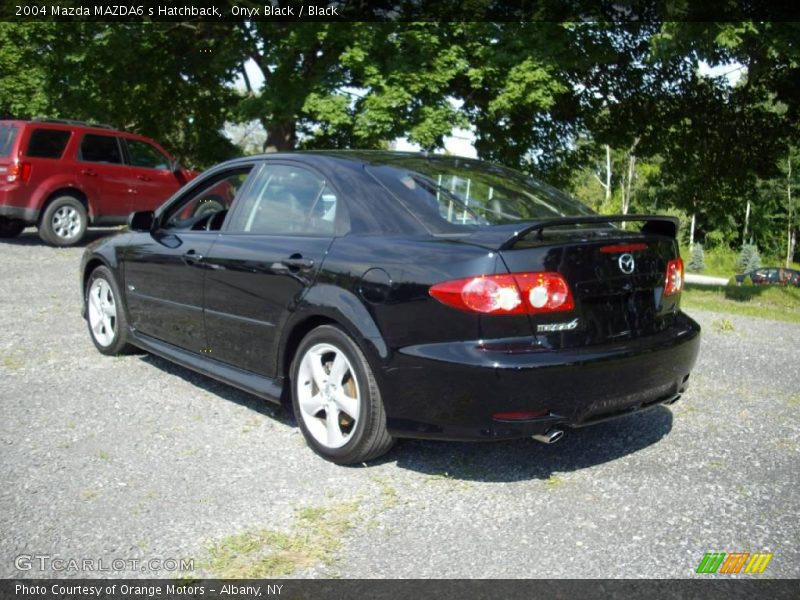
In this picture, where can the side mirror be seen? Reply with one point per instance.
(142, 220)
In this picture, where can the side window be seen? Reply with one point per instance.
(47, 143)
(100, 148)
(287, 200)
(205, 208)
(146, 155)
(7, 136)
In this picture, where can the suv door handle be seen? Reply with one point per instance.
(143, 178)
(191, 258)
(296, 261)
(89, 172)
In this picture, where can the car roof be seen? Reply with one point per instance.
(68, 124)
(354, 157)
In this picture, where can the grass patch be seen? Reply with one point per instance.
(251, 424)
(388, 493)
(439, 477)
(314, 537)
(554, 481)
(793, 400)
(12, 362)
(722, 325)
(769, 302)
(102, 455)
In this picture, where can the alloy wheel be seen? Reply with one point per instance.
(328, 395)
(66, 222)
(102, 312)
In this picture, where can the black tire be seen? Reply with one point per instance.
(64, 222)
(10, 228)
(102, 282)
(364, 437)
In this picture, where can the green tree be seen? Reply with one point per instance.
(697, 263)
(749, 259)
(169, 81)
(351, 84)
(22, 77)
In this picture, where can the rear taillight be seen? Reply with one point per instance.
(674, 283)
(514, 294)
(19, 172)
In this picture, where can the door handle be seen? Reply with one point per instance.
(143, 178)
(296, 261)
(89, 172)
(191, 258)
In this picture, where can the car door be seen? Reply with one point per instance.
(104, 177)
(153, 179)
(264, 261)
(165, 269)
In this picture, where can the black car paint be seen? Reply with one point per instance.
(443, 373)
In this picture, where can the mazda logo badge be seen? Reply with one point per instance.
(626, 263)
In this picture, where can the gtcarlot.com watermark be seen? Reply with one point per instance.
(59, 564)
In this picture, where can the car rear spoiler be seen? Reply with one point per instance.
(504, 237)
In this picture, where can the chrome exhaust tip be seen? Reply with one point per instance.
(551, 437)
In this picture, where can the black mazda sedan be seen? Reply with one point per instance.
(386, 295)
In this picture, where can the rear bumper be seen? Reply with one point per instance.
(454, 390)
(29, 215)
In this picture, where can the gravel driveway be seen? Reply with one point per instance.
(133, 458)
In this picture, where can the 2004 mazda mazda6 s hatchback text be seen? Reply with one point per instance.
(390, 295)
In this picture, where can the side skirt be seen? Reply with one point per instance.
(258, 385)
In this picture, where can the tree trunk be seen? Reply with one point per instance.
(746, 223)
(606, 185)
(626, 184)
(281, 137)
(691, 233)
(790, 228)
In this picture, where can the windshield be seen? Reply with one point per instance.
(7, 135)
(455, 194)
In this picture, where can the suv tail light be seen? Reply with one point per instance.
(674, 282)
(18, 171)
(512, 294)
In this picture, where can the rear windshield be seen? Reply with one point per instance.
(47, 143)
(454, 194)
(7, 135)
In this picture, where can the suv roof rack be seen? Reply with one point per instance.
(72, 122)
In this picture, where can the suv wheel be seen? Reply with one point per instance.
(63, 222)
(10, 228)
(336, 399)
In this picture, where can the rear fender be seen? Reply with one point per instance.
(51, 185)
(333, 303)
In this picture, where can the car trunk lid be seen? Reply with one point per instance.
(617, 276)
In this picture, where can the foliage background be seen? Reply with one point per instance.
(626, 115)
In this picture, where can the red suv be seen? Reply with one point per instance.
(63, 176)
